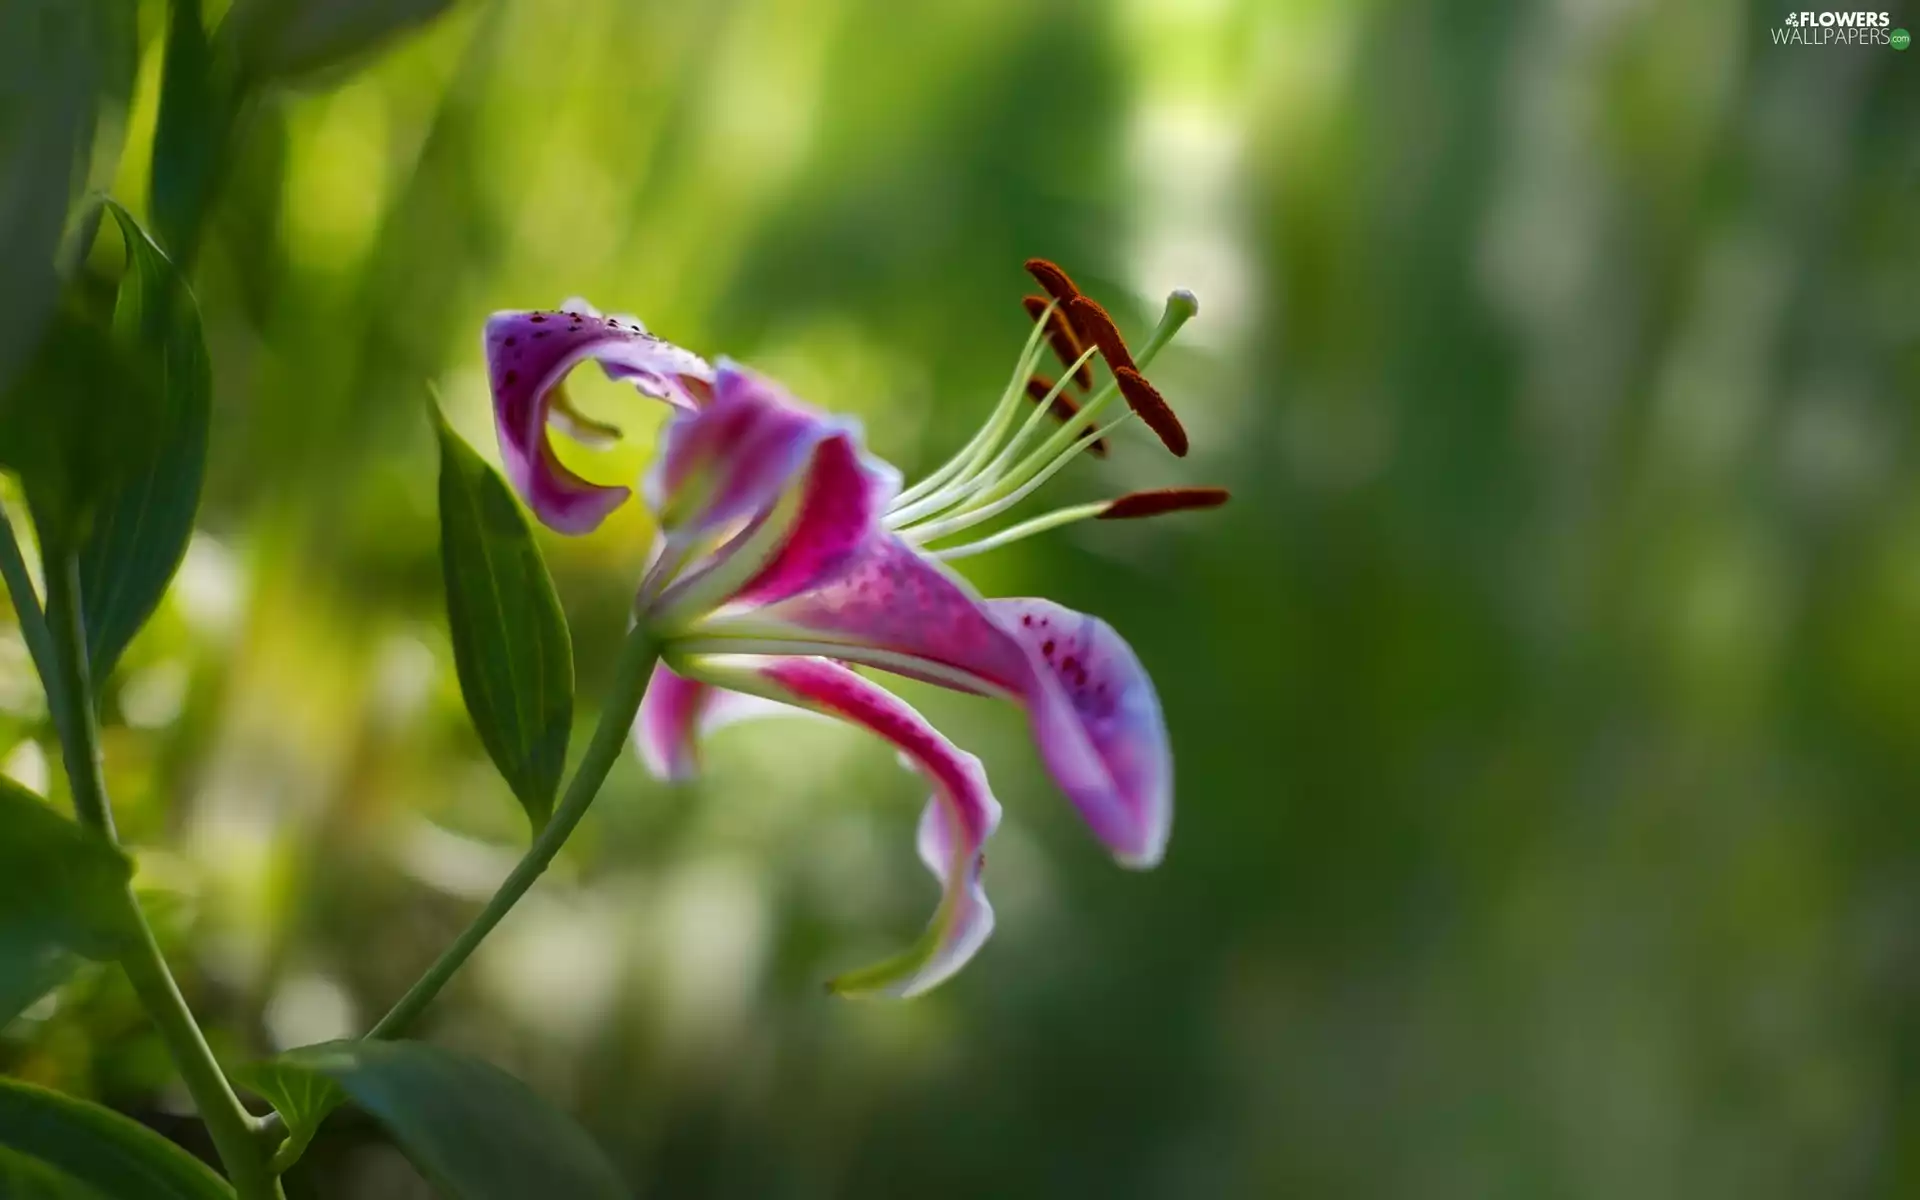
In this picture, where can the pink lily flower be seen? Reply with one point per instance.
(788, 554)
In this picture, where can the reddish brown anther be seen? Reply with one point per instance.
(1060, 335)
(1094, 325)
(1163, 500)
(1061, 410)
(1053, 279)
(1148, 404)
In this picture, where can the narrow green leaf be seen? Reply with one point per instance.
(474, 1131)
(56, 1146)
(62, 894)
(510, 640)
(58, 59)
(279, 39)
(139, 532)
(194, 132)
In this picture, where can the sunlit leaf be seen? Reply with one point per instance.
(510, 639)
(283, 38)
(56, 1146)
(139, 532)
(62, 896)
(474, 1131)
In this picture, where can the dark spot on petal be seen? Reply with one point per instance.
(538, 318)
(540, 333)
(511, 378)
(1046, 647)
(512, 340)
(1027, 619)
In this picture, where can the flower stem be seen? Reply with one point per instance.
(227, 1121)
(26, 607)
(631, 675)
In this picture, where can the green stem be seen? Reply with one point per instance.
(635, 669)
(228, 1123)
(26, 606)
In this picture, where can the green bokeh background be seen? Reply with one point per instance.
(1546, 705)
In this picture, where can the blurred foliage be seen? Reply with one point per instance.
(1547, 717)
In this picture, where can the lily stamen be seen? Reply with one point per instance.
(1060, 335)
(1046, 393)
(1094, 324)
(1056, 282)
(1153, 503)
(1132, 506)
(1146, 400)
(959, 464)
(1008, 493)
(958, 495)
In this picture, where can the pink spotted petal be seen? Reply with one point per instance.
(786, 492)
(528, 355)
(953, 830)
(916, 617)
(1095, 718)
(846, 494)
(729, 461)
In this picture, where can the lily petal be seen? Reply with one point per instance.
(788, 487)
(1100, 700)
(677, 713)
(729, 460)
(667, 729)
(528, 355)
(1093, 710)
(953, 829)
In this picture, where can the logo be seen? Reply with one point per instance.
(1840, 29)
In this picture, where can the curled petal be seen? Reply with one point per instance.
(953, 830)
(730, 459)
(1097, 719)
(528, 355)
(789, 488)
(667, 730)
(677, 713)
(1093, 710)
(844, 495)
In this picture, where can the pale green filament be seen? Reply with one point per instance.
(972, 514)
(965, 461)
(959, 490)
(986, 487)
(1025, 529)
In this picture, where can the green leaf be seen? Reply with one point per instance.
(63, 892)
(510, 640)
(56, 1146)
(194, 132)
(76, 421)
(474, 1131)
(139, 532)
(279, 39)
(58, 58)
(302, 1097)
